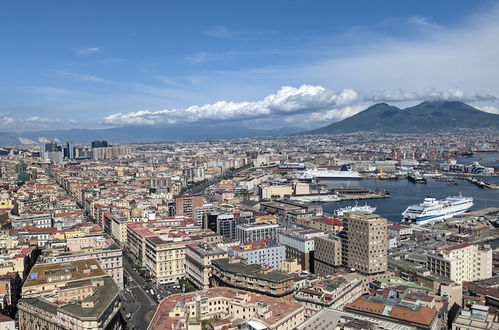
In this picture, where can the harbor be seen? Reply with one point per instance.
(404, 193)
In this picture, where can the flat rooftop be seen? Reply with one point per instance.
(63, 272)
(253, 271)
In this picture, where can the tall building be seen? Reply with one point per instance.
(199, 213)
(99, 144)
(364, 242)
(221, 223)
(184, 205)
(462, 262)
(69, 150)
(327, 254)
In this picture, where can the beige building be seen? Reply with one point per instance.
(364, 242)
(256, 278)
(268, 192)
(198, 262)
(165, 255)
(462, 262)
(74, 295)
(327, 254)
(231, 306)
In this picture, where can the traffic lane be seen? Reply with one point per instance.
(138, 318)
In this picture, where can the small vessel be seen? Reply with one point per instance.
(363, 208)
(416, 177)
(432, 209)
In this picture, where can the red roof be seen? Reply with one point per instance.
(456, 247)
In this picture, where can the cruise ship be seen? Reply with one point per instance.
(433, 210)
(317, 174)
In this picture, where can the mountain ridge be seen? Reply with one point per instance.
(424, 117)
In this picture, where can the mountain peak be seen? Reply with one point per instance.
(428, 116)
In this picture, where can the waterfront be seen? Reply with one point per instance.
(405, 193)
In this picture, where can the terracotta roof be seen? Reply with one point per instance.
(424, 316)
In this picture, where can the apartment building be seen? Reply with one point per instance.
(223, 224)
(184, 205)
(300, 244)
(73, 295)
(461, 262)
(105, 250)
(327, 254)
(261, 279)
(364, 242)
(233, 308)
(247, 233)
(198, 260)
(267, 252)
(165, 254)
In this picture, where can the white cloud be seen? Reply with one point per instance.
(88, 50)
(221, 32)
(6, 120)
(424, 22)
(79, 76)
(428, 94)
(39, 120)
(488, 108)
(287, 100)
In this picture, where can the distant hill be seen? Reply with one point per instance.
(424, 117)
(137, 134)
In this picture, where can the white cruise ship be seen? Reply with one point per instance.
(433, 210)
(318, 174)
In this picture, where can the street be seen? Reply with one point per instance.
(137, 302)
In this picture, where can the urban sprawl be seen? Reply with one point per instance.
(233, 234)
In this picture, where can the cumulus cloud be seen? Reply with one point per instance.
(287, 100)
(429, 94)
(6, 120)
(296, 106)
(88, 50)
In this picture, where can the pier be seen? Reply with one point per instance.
(481, 183)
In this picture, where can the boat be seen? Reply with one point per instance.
(432, 209)
(316, 198)
(363, 208)
(317, 174)
(416, 178)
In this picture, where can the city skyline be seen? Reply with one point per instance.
(289, 64)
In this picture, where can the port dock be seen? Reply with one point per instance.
(481, 183)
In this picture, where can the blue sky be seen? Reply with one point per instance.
(266, 64)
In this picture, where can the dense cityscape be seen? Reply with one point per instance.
(237, 234)
(249, 165)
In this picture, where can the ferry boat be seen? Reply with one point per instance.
(432, 209)
(317, 174)
(364, 208)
